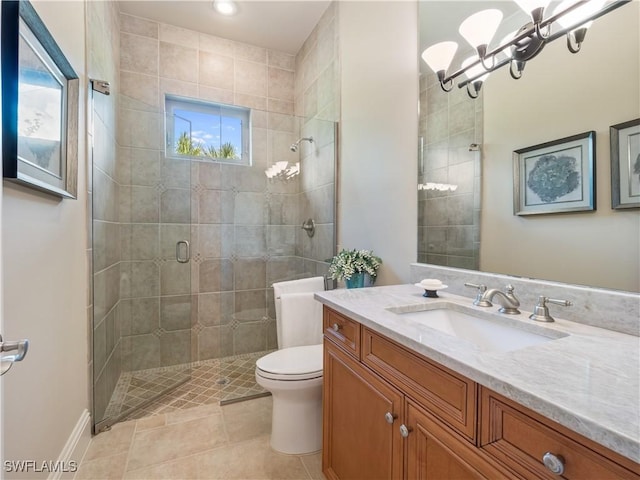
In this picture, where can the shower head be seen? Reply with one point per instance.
(294, 146)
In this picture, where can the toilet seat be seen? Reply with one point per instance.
(293, 363)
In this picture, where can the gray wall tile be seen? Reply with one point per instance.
(175, 278)
(175, 347)
(250, 241)
(144, 352)
(216, 275)
(140, 241)
(175, 312)
(106, 291)
(216, 308)
(250, 305)
(139, 279)
(250, 337)
(250, 273)
(175, 206)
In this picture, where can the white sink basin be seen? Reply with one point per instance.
(489, 334)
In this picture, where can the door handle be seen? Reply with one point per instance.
(16, 350)
(187, 253)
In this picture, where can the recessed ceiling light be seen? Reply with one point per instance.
(225, 7)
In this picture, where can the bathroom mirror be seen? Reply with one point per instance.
(560, 94)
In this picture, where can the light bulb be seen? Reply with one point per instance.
(479, 28)
(579, 14)
(440, 55)
(225, 7)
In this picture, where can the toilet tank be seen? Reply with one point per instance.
(298, 314)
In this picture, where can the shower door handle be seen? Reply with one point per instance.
(187, 255)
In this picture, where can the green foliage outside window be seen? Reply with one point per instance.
(186, 146)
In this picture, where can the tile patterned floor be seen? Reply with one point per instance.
(204, 442)
(208, 382)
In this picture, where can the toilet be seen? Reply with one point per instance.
(293, 373)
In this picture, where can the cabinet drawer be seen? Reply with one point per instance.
(342, 331)
(519, 438)
(447, 395)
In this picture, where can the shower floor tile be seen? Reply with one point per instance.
(216, 381)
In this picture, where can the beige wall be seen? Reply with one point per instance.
(44, 270)
(379, 88)
(561, 95)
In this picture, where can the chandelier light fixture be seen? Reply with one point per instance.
(572, 19)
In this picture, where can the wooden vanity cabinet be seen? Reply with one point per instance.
(358, 441)
(374, 429)
(390, 413)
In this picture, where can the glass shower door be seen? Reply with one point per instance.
(142, 344)
(157, 303)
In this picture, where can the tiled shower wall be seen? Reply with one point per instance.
(103, 206)
(317, 100)
(449, 221)
(242, 226)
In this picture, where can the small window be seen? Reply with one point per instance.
(207, 131)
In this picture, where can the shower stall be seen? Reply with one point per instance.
(189, 235)
(185, 254)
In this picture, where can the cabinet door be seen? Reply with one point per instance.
(436, 453)
(358, 441)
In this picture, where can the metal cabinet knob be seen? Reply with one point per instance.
(336, 327)
(404, 431)
(554, 463)
(390, 417)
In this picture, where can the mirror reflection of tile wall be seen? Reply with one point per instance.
(449, 176)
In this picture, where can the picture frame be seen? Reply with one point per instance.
(625, 164)
(555, 177)
(40, 94)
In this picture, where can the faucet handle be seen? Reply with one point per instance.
(541, 311)
(479, 301)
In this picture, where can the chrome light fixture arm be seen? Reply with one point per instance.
(527, 43)
(482, 54)
(575, 39)
(447, 85)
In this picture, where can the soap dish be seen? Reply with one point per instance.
(431, 293)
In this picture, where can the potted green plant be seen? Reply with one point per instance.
(358, 268)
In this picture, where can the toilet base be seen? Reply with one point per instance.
(296, 422)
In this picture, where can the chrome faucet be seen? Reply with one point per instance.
(479, 301)
(508, 301)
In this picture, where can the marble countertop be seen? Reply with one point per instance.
(588, 380)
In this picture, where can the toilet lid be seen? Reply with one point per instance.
(293, 361)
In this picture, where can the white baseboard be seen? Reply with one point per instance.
(75, 448)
